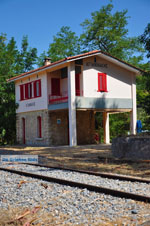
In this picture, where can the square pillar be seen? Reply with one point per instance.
(106, 127)
(133, 115)
(72, 105)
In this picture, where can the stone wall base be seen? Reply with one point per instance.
(31, 134)
(131, 147)
(55, 128)
(85, 127)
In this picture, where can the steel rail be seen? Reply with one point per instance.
(104, 175)
(116, 193)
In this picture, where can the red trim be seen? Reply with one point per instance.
(26, 91)
(39, 127)
(28, 86)
(58, 99)
(77, 84)
(102, 82)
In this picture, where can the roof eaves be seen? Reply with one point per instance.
(37, 70)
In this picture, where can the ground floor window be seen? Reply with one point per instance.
(39, 127)
(23, 131)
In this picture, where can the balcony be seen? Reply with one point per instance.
(63, 97)
(57, 99)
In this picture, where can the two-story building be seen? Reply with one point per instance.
(57, 102)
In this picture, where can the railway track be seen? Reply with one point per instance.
(90, 187)
(104, 175)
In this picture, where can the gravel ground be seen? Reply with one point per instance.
(77, 206)
(127, 186)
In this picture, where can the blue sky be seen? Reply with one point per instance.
(41, 19)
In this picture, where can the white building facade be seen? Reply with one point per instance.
(57, 102)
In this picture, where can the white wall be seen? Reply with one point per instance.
(33, 104)
(119, 80)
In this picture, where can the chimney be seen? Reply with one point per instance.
(47, 61)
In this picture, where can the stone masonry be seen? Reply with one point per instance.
(85, 127)
(55, 128)
(31, 128)
(132, 147)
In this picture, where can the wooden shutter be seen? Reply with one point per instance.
(55, 85)
(39, 121)
(26, 91)
(22, 92)
(102, 82)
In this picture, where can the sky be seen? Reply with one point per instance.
(40, 20)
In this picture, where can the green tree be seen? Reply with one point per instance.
(12, 62)
(108, 32)
(65, 44)
(145, 40)
(8, 53)
(41, 58)
(26, 58)
(143, 82)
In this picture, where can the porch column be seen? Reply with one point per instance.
(106, 127)
(133, 114)
(72, 105)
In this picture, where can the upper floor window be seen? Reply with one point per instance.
(37, 88)
(102, 82)
(30, 90)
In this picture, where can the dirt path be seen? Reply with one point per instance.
(90, 157)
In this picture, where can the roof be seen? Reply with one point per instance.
(73, 58)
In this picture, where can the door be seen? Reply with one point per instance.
(23, 131)
(77, 82)
(55, 86)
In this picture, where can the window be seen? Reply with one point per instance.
(102, 82)
(37, 88)
(30, 90)
(39, 127)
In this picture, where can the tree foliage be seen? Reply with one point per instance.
(12, 62)
(108, 32)
(145, 39)
(65, 44)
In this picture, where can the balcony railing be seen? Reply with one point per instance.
(56, 99)
(63, 98)
(79, 92)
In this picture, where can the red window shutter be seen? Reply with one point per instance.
(26, 91)
(39, 119)
(98, 83)
(22, 92)
(102, 82)
(55, 85)
(34, 85)
(31, 90)
(77, 84)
